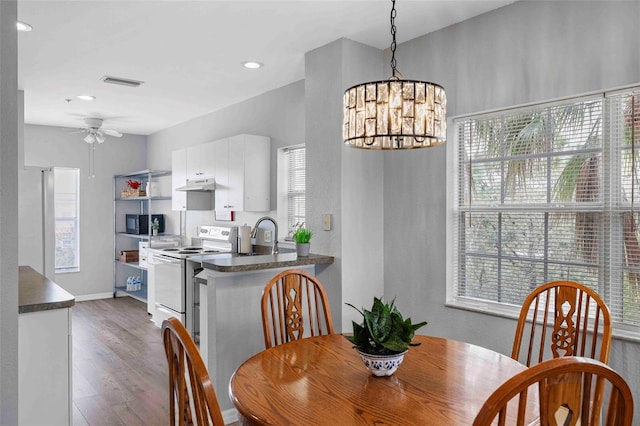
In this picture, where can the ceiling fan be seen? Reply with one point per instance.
(95, 132)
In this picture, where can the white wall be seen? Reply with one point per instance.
(525, 52)
(47, 146)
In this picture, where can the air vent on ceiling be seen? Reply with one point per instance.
(121, 81)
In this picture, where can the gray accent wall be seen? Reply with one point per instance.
(526, 52)
(47, 146)
(9, 122)
(344, 182)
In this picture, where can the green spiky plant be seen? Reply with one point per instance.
(302, 235)
(383, 330)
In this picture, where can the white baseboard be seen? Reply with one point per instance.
(230, 416)
(97, 296)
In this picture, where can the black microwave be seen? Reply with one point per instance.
(139, 223)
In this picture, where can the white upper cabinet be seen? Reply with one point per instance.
(241, 166)
(182, 200)
(243, 173)
(200, 161)
(178, 179)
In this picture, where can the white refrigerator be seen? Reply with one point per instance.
(36, 223)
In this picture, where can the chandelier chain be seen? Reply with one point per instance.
(393, 40)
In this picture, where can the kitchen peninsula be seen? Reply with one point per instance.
(230, 289)
(44, 350)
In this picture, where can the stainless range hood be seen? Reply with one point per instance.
(201, 184)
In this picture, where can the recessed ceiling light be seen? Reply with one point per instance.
(86, 97)
(252, 65)
(23, 26)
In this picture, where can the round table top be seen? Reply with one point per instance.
(322, 381)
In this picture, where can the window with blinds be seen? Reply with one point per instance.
(549, 192)
(66, 210)
(295, 164)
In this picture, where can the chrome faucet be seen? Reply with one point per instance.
(274, 249)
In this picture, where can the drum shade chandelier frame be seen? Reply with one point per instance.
(394, 113)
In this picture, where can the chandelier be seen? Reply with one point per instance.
(394, 113)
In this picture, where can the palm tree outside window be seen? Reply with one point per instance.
(549, 192)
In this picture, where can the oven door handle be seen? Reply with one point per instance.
(162, 259)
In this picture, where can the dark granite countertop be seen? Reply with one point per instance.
(38, 293)
(239, 263)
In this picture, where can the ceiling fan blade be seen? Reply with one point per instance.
(110, 132)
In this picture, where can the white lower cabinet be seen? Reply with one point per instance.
(44, 367)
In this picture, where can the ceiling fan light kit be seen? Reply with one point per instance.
(95, 134)
(394, 113)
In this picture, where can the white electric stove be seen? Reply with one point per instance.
(172, 276)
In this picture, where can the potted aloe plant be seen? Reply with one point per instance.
(302, 237)
(383, 338)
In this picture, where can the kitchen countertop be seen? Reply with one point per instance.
(229, 262)
(38, 293)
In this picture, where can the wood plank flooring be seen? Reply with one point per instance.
(120, 372)
(119, 368)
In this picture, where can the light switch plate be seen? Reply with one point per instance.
(326, 221)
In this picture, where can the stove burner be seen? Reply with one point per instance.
(213, 251)
(192, 248)
(189, 251)
(170, 249)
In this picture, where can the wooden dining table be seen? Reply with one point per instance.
(322, 381)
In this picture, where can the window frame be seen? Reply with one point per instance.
(75, 219)
(621, 330)
(283, 188)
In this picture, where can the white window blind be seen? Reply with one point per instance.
(296, 185)
(543, 193)
(66, 205)
(623, 114)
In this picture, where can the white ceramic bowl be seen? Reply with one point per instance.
(382, 365)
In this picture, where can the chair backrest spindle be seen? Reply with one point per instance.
(575, 319)
(191, 401)
(566, 395)
(294, 305)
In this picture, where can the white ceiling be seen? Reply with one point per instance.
(189, 53)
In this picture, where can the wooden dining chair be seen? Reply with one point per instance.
(565, 388)
(192, 397)
(294, 305)
(568, 319)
